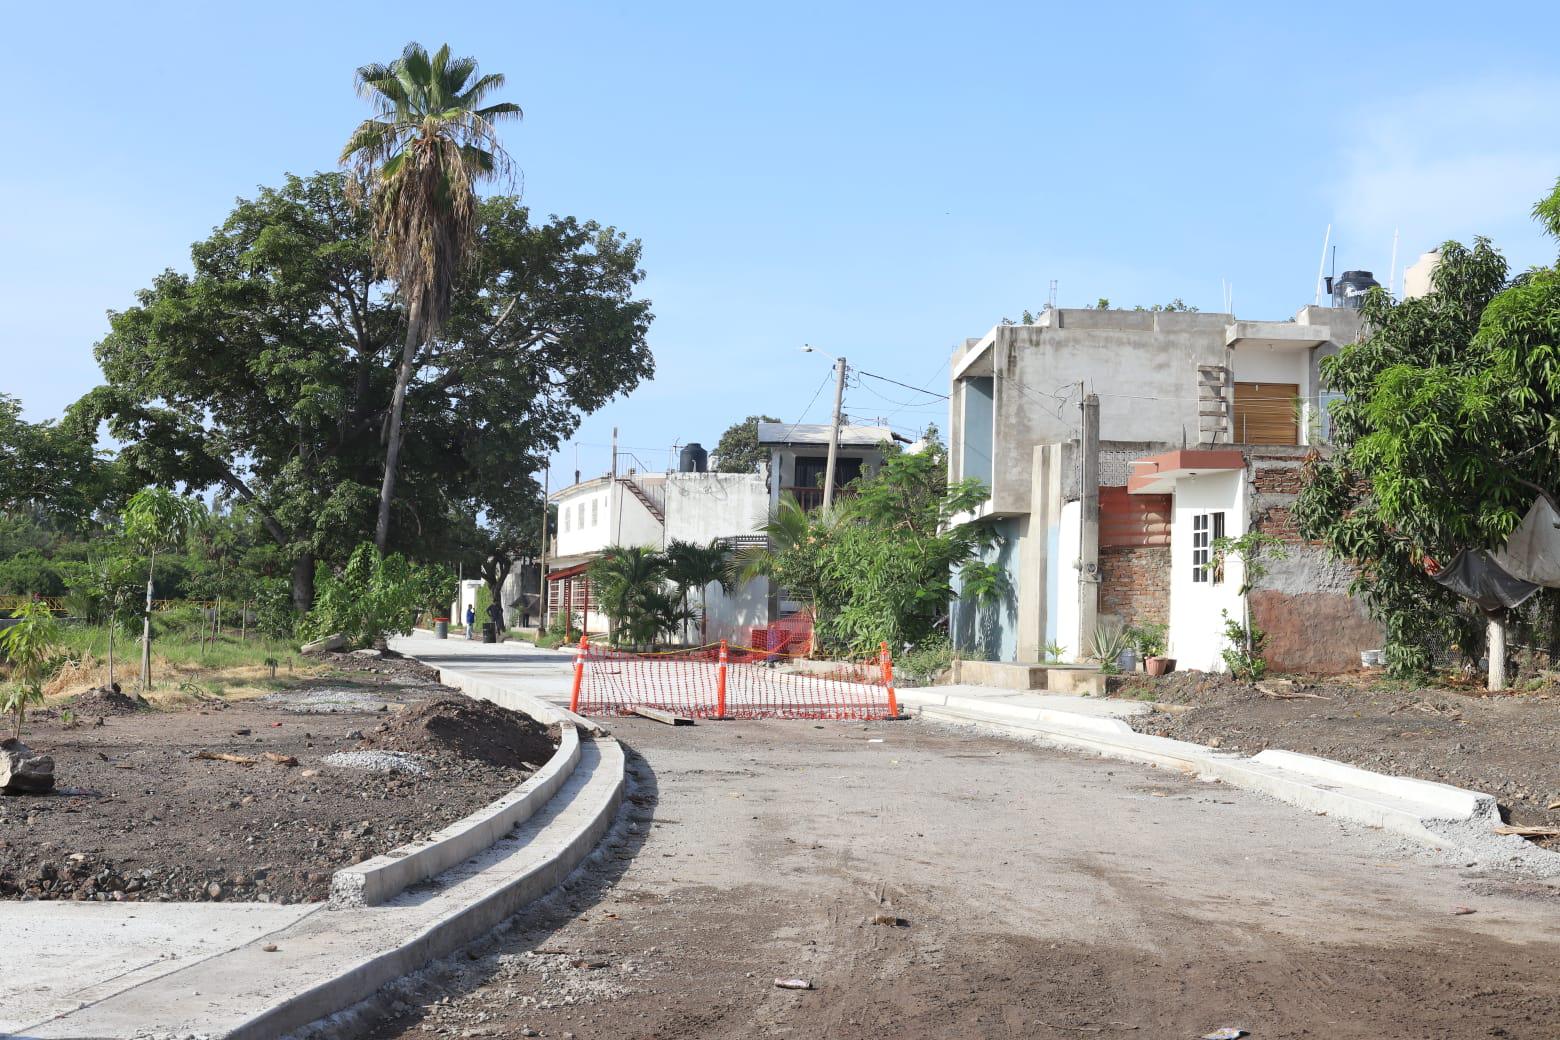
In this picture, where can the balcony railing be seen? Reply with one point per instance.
(810, 498)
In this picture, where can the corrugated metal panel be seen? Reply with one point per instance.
(1138, 520)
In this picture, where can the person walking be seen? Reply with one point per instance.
(471, 620)
(496, 615)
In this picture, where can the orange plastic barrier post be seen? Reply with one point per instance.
(720, 682)
(579, 675)
(888, 681)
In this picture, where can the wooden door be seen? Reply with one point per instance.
(1265, 413)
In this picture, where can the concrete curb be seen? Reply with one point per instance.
(1399, 804)
(383, 877)
(450, 931)
(542, 711)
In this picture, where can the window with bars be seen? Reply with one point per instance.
(1207, 528)
(593, 504)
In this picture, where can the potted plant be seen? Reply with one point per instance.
(1112, 647)
(1151, 643)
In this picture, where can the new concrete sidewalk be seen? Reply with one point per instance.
(255, 971)
(1431, 813)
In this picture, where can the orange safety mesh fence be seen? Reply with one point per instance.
(717, 682)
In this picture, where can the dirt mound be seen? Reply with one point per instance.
(471, 729)
(106, 700)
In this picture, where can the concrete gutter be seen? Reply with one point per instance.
(375, 880)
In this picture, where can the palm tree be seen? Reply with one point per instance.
(693, 566)
(431, 139)
(629, 584)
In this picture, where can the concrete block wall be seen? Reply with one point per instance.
(1303, 603)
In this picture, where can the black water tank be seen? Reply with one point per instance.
(693, 458)
(1349, 290)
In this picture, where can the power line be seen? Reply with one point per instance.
(907, 386)
(814, 401)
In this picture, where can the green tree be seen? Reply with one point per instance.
(29, 648)
(431, 139)
(374, 595)
(267, 372)
(879, 566)
(738, 450)
(53, 471)
(102, 589)
(155, 521)
(1447, 430)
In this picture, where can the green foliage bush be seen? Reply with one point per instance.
(924, 662)
(373, 596)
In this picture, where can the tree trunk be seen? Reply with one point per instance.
(303, 583)
(1497, 650)
(146, 629)
(113, 622)
(403, 378)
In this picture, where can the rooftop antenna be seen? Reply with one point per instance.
(1050, 302)
(1392, 271)
(1321, 267)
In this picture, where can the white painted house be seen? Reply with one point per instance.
(651, 510)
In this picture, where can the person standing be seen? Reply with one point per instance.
(496, 615)
(471, 620)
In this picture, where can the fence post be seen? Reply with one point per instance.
(888, 680)
(720, 682)
(579, 675)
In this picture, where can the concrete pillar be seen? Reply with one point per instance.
(1089, 525)
(1496, 632)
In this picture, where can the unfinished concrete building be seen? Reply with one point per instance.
(1204, 421)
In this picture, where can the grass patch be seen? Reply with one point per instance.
(183, 670)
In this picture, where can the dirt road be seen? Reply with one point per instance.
(1041, 894)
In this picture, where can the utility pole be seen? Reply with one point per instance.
(1089, 526)
(834, 433)
(614, 453)
(541, 567)
(1495, 630)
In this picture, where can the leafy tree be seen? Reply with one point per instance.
(432, 138)
(879, 565)
(1449, 426)
(268, 372)
(155, 521)
(29, 648)
(374, 595)
(102, 590)
(52, 471)
(738, 450)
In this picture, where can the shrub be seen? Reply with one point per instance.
(373, 596)
(30, 649)
(921, 665)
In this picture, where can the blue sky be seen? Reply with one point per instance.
(880, 180)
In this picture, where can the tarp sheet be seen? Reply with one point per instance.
(1532, 553)
(1473, 575)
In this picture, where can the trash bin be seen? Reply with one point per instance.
(441, 628)
(489, 632)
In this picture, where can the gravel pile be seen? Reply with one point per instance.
(378, 762)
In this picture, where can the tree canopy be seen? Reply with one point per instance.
(738, 450)
(268, 370)
(1448, 428)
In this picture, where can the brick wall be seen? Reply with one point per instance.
(1135, 583)
(1270, 479)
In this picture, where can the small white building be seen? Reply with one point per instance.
(652, 510)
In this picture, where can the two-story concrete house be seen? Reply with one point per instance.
(1204, 423)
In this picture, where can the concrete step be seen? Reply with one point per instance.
(333, 959)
